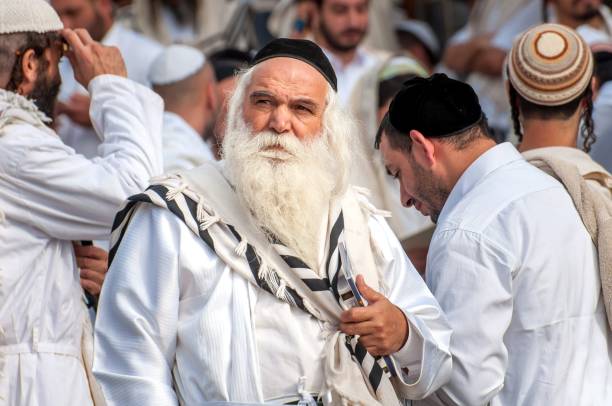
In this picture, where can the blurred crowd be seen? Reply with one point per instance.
(373, 46)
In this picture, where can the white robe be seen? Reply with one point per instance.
(176, 325)
(516, 273)
(138, 52)
(183, 147)
(50, 196)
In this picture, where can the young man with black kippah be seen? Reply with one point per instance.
(510, 262)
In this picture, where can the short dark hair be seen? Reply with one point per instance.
(12, 47)
(459, 141)
(520, 105)
(388, 88)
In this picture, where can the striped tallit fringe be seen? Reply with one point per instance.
(218, 236)
(173, 194)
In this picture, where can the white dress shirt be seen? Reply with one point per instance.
(176, 325)
(138, 52)
(349, 74)
(516, 273)
(51, 196)
(184, 148)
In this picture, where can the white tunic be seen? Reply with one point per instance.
(180, 326)
(138, 52)
(51, 196)
(349, 74)
(516, 273)
(184, 148)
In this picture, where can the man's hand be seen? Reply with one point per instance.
(77, 109)
(90, 59)
(93, 264)
(382, 326)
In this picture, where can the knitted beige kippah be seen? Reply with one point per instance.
(28, 16)
(550, 65)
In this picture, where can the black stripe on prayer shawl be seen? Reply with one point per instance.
(375, 376)
(204, 234)
(360, 353)
(127, 211)
(333, 238)
(317, 285)
(255, 264)
(294, 262)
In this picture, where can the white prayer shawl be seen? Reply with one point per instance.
(16, 109)
(207, 204)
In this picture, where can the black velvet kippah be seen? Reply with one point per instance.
(302, 49)
(436, 106)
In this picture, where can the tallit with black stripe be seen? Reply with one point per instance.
(206, 203)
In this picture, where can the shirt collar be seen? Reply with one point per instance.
(496, 157)
(359, 59)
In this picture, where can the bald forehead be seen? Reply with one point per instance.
(290, 77)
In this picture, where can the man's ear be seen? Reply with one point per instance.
(423, 149)
(212, 97)
(30, 63)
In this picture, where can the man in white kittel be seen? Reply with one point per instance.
(228, 282)
(51, 196)
(186, 82)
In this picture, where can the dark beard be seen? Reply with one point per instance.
(333, 43)
(588, 15)
(96, 29)
(429, 190)
(45, 93)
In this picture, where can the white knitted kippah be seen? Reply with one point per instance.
(175, 63)
(28, 16)
(550, 65)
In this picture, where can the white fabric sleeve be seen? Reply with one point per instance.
(67, 196)
(136, 327)
(426, 353)
(471, 278)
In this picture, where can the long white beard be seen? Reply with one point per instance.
(287, 189)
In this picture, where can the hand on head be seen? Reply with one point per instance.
(90, 58)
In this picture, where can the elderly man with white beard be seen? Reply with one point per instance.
(234, 281)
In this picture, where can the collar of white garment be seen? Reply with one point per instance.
(494, 158)
(15, 108)
(361, 56)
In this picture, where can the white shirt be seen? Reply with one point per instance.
(349, 74)
(601, 151)
(184, 148)
(51, 196)
(178, 324)
(516, 273)
(138, 52)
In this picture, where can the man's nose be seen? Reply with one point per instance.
(280, 120)
(405, 197)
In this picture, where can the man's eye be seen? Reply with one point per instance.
(303, 108)
(262, 102)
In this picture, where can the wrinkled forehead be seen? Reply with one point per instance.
(289, 78)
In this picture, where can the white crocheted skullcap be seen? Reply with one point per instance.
(28, 16)
(550, 65)
(176, 63)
